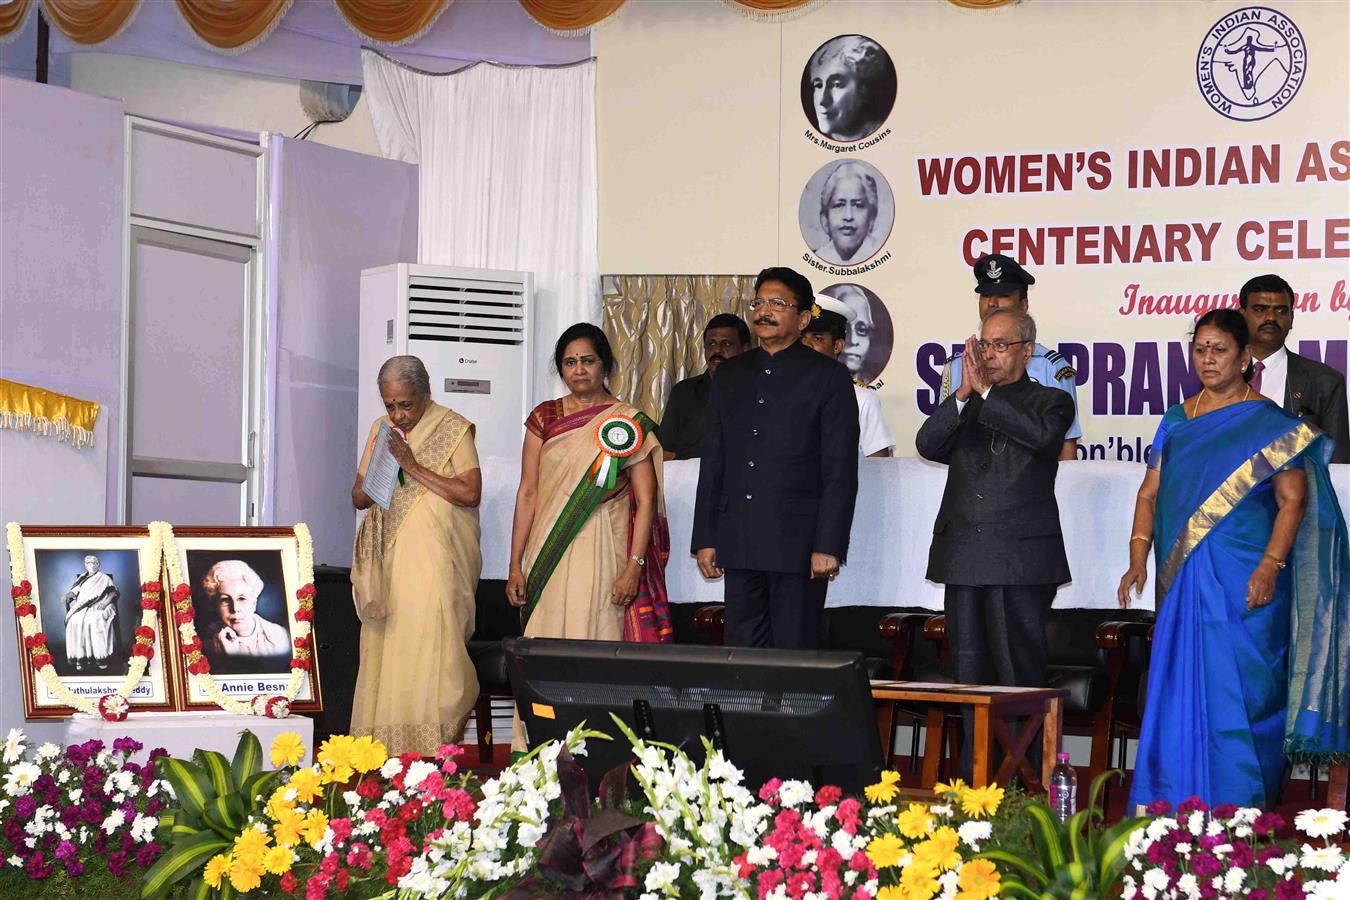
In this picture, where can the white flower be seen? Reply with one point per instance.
(762, 855)
(941, 811)
(1281, 864)
(76, 794)
(352, 799)
(1189, 886)
(973, 833)
(1323, 859)
(721, 769)
(19, 779)
(661, 876)
(417, 773)
(116, 819)
(16, 861)
(48, 751)
(13, 746)
(795, 793)
(391, 767)
(3, 804)
(143, 829)
(1156, 879)
(1321, 823)
(1233, 878)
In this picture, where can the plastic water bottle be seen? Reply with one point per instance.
(1063, 788)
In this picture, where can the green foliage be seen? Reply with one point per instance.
(1074, 860)
(216, 798)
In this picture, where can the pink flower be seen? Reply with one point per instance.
(1190, 805)
(1204, 864)
(828, 795)
(342, 829)
(799, 884)
(1158, 808)
(1267, 823)
(859, 861)
(769, 792)
(1241, 856)
(848, 814)
(1289, 890)
(1225, 810)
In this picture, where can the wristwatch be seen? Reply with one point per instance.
(640, 560)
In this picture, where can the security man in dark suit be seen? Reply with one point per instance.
(1313, 391)
(779, 474)
(997, 544)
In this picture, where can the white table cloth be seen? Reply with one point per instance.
(898, 500)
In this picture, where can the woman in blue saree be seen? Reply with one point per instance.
(1249, 659)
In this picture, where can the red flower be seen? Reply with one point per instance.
(302, 643)
(288, 882)
(193, 646)
(22, 589)
(40, 660)
(306, 592)
(181, 593)
(828, 795)
(151, 587)
(36, 639)
(25, 609)
(150, 603)
(304, 615)
(200, 667)
(143, 650)
(300, 664)
(182, 618)
(370, 789)
(341, 881)
(145, 631)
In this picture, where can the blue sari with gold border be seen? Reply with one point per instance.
(1233, 692)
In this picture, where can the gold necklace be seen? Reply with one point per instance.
(1195, 407)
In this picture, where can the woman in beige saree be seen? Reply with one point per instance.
(415, 570)
(589, 540)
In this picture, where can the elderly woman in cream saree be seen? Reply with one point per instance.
(589, 541)
(415, 571)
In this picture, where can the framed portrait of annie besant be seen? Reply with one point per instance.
(244, 605)
(84, 620)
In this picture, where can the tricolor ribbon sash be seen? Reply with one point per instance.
(618, 438)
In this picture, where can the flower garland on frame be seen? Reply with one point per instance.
(115, 706)
(275, 706)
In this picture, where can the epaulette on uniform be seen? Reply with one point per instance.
(1053, 356)
(1065, 372)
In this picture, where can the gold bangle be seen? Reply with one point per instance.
(1279, 563)
(1141, 537)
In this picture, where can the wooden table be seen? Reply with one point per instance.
(994, 706)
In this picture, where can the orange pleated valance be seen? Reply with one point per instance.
(391, 21)
(89, 21)
(232, 25)
(570, 16)
(12, 18)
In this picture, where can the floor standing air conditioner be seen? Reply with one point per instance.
(470, 327)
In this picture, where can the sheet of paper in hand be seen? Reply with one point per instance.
(382, 470)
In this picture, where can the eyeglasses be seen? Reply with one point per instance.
(1000, 345)
(778, 303)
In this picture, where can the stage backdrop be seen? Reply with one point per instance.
(1141, 159)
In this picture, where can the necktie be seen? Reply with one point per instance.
(1257, 368)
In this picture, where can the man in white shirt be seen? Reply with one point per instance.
(826, 335)
(1311, 390)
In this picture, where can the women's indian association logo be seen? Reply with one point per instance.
(1251, 63)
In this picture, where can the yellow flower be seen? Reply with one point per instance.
(316, 823)
(368, 754)
(287, 828)
(885, 790)
(979, 880)
(892, 892)
(245, 874)
(277, 860)
(918, 881)
(287, 750)
(939, 850)
(336, 752)
(914, 822)
(306, 784)
(955, 787)
(277, 804)
(980, 802)
(337, 774)
(885, 851)
(216, 869)
(250, 844)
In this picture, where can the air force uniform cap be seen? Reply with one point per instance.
(999, 274)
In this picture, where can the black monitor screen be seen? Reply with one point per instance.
(774, 713)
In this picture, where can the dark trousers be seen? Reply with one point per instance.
(997, 636)
(773, 609)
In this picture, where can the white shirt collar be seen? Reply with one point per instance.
(1277, 361)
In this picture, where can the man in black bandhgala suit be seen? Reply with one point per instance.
(779, 474)
(997, 544)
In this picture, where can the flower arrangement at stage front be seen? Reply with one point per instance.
(1229, 851)
(86, 812)
(114, 706)
(277, 706)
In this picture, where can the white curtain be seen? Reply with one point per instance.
(507, 178)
